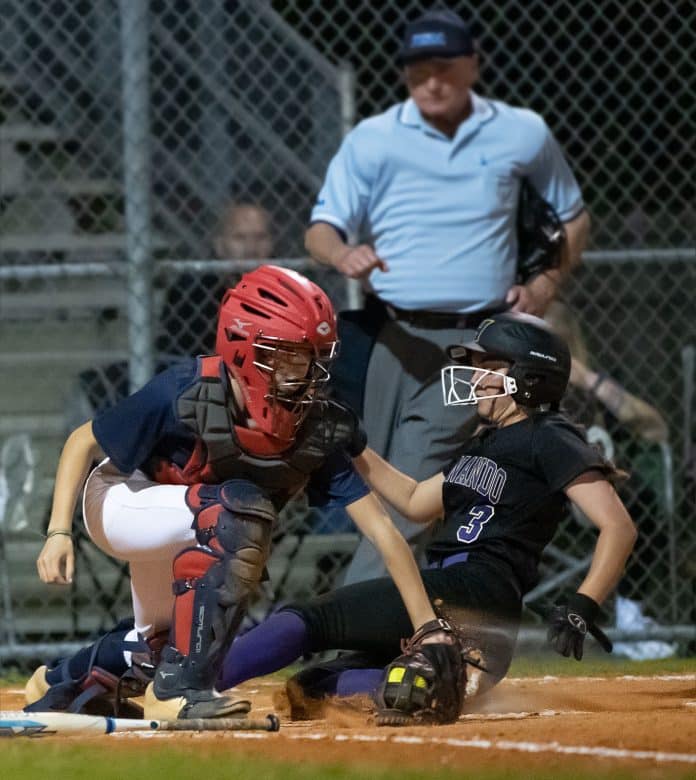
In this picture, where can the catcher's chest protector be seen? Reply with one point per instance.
(208, 409)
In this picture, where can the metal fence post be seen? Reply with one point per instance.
(346, 91)
(136, 157)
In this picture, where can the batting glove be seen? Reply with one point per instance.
(569, 622)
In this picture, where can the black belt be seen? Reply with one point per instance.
(438, 319)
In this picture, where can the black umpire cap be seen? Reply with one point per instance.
(441, 34)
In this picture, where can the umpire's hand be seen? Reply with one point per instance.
(359, 261)
(535, 296)
(569, 622)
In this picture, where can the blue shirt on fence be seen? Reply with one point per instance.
(441, 211)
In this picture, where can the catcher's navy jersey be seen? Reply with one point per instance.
(146, 424)
(504, 494)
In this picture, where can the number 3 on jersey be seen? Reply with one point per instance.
(478, 517)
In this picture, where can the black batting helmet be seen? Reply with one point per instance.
(539, 359)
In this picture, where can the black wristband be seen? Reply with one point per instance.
(431, 627)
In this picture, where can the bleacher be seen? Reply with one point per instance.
(53, 324)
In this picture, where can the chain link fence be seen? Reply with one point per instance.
(151, 151)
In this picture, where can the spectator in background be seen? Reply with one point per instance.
(434, 184)
(626, 428)
(243, 232)
(600, 390)
(636, 227)
(186, 325)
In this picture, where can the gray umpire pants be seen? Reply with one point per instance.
(407, 422)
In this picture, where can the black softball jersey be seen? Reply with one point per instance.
(503, 494)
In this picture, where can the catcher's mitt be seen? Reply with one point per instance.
(329, 425)
(426, 684)
(540, 235)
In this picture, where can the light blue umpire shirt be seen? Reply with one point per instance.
(441, 211)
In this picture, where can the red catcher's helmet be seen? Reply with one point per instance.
(272, 319)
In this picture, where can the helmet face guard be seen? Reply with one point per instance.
(277, 337)
(539, 360)
(459, 386)
(290, 388)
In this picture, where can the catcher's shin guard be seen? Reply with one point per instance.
(212, 585)
(92, 688)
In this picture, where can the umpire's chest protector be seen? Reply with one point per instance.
(206, 407)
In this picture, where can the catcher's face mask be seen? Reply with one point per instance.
(294, 370)
(460, 383)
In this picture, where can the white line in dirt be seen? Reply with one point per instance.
(518, 680)
(551, 679)
(524, 747)
(603, 752)
(520, 715)
(667, 677)
(359, 738)
(658, 756)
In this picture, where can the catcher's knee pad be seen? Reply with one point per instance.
(235, 519)
(239, 496)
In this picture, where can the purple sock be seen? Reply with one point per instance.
(270, 646)
(358, 681)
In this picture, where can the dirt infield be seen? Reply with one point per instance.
(643, 726)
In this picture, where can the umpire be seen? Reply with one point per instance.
(432, 184)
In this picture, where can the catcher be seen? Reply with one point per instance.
(500, 499)
(195, 468)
